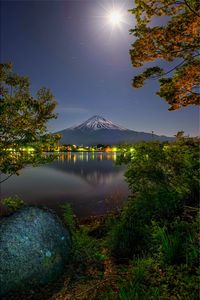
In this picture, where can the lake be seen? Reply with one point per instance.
(90, 181)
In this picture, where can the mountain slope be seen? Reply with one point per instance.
(98, 130)
(97, 123)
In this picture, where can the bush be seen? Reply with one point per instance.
(163, 178)
(84, 247)
(68, 216)
(147, 279)
(177, 243)
(171, 251)
(13, 203)
(130, 235)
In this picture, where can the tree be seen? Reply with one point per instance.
(23, 122)
(179, 135)
(177, 40)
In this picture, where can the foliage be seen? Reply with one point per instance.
(13, 203)
(176, 40)
(129, 236)
(84, 247)
(177, 243)
(163, 180)
(135, 288)
(68, 216)
(147, 279)
(93, 274)
(164, 168)
(156, 235)
(23, 122)
(155, 238)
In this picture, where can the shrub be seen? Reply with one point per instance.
(147, 279)
(170, 246)
(68, 216)
(13, 203)
(130, 235)
(177, 243)
(84, 247)
(162, 177)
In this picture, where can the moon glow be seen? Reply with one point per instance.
(115, 17)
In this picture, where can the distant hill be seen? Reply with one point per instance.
(98, 130)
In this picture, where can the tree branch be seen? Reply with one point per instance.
(6, 178)
(191, 9)
(166, 73)
(159, 76)
(189, 91)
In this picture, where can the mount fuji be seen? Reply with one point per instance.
(98, 130)
(97, 123)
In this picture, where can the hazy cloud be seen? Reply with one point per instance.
(71, 109)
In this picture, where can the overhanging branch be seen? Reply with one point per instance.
(191, 9)
(6, 178)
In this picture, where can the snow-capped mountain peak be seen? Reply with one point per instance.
(97, 123)
(99, 130)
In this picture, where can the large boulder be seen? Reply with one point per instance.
(34, 247)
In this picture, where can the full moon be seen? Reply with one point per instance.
(115, 17)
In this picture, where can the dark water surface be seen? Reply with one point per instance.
(90, 182)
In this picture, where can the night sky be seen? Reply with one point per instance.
(71, 48)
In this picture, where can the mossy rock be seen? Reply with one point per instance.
(34, 248)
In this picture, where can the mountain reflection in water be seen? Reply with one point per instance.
(90, 181)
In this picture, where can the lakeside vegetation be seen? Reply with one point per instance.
(148, 250)
(81, 148)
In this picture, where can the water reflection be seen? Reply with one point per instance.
(85, 156)
(90, 181)
(96, 168)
